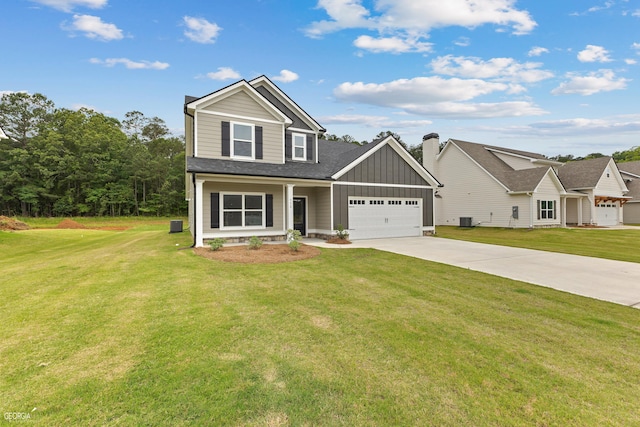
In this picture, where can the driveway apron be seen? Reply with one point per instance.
(607, 280)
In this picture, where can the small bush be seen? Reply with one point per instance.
(255, 242)
(294, 237)
(341, 232)
(217, 243)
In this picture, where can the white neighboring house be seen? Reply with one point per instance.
(3, 135)
(630, 171)
(492, 186)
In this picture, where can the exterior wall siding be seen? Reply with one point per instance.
(516, 163)
(210, 133)
(323, 208)
(215, 187)
(631, 213)
(384, 166)
(608, 186)
(243, 105)
(341, 194)
(547, 190)
(470, 192)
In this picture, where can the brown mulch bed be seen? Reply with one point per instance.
(266, 254)
(10, 224)
(338, 241)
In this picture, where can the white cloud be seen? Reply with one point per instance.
(581, 126)
(462, 41)
(285, 76)
(630, 61)
(376, 122)
(594, 82)
(94, 28)
(537, 51)
(132, 65)
(200, 30)
(636, 46)
(437, 96)
(224, 73)
(68, 5)
(594, 53)
(415, 17)
(502, 69)
(391, 44)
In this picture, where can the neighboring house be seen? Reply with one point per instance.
(486, 185)
(256, 166)
(630, 172)
(3, 135)
(600, 180)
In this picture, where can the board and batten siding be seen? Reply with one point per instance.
(470, 192)
(210, 138)
(231, 187)
(384, 166)
(341, 194)
(547, 190)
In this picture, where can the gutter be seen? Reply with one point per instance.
(193, 176)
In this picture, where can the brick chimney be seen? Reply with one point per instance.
(430, 149)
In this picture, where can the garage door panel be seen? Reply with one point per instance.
(607, 214)
(374, 217)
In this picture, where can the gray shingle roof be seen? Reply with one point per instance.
(582, 173)
(514, 180)
(333, 156)
(634, 184)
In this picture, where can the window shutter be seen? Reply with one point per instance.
(554, 209)
(226, 139)
(538, 209)
(309, 147)
(269, 213)
(287, 145)
(258, 138)
(215, 210)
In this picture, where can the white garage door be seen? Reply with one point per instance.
(607, 214)
(378, 217)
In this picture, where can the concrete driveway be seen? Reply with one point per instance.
(614, 281)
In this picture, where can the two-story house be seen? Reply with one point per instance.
(257, 166)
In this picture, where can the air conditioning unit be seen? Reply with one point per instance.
(466, 221)
(175, 226)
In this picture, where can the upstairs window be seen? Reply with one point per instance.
(242, 140)
(299, 146)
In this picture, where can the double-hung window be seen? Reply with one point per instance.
(299, 146)
(547, 209)
(243, 210)
(242, 144)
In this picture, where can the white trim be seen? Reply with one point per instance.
(195, 134)
(289, 210)
(376, 184)
(293, 146)
(232, 138)
(477, 164)
(246, 179)
(331, 207)
(299, 130)
(221, 211)
(315, 154)
(239, 117)
(242, 233)
(199, 193)
(556, 181)
(522, 156)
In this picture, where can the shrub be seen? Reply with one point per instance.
(294, 236)
(341, 232)
(217, 243)
(255, 242)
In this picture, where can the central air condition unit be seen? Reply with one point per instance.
(466, 221)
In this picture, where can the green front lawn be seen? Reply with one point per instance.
(616, 244)
(126, 328)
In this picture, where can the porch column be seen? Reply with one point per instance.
(563, 212)
(592, 209)
(580, 211)
(199, 208)
(290, 206)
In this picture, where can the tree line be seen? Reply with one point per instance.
(61, 162)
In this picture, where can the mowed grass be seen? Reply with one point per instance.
(128, 328)
(616, 244)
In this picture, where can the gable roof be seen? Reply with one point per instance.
(631, 170)
(524, 180)
(333, 158)
(192, 103)
(583, 174)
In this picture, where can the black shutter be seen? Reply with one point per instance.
(287, 145)
(310, 146)
(538, 209)
(269, 213)
(215, 210)
(226, 139)
(258, 132)
(554, 209)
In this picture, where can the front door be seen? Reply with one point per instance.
(300, 215)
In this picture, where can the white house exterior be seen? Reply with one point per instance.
(630, 172)
(500, 187)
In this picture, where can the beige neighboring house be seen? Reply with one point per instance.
(630, 171)
(3, 135)
(492, 186)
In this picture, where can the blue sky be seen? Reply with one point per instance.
(555, 77)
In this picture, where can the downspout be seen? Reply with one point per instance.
(193, 175)
(530, 210)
